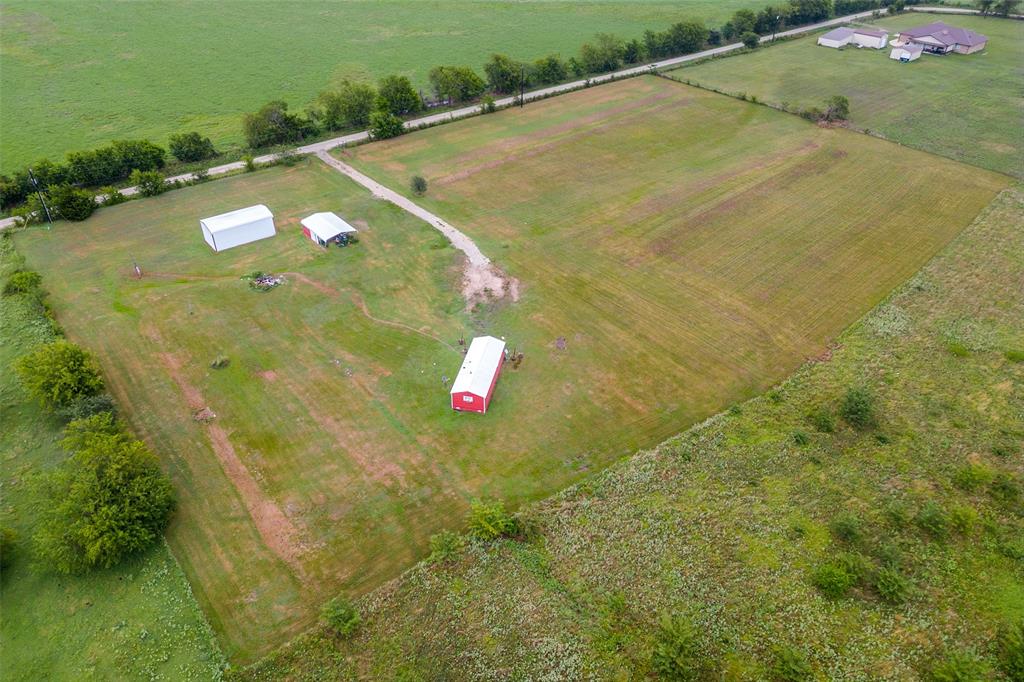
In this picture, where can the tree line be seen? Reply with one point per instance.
(383, 106)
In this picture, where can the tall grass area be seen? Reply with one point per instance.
(965, 107)
(734, 525)
(136, 622)
(76, 75)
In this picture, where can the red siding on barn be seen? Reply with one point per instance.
(476, 403)
(305, 231)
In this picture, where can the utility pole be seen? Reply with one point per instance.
(522, 85)
(39, 193)
(775, 25)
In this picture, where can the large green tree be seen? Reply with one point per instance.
(108, 500)
(396, 95)
(505, 74)
(60, 373)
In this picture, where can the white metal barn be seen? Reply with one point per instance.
(861, 37)
(906, 53)
(322, 228)
(228, 230)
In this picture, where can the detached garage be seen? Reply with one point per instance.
(228, 230)
(324, 228)
(475, 383)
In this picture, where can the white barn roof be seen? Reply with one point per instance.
(327, 225)
(482, 360)
(232, 219)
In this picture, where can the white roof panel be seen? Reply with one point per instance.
(232, 219)
(327, 225)
(482, 360)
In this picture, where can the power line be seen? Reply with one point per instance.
(39, 193)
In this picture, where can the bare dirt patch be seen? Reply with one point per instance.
(483, 284)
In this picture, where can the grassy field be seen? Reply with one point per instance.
(706, 249)
(138, 622)
(725, 523)
(79, 74)
(965, 107)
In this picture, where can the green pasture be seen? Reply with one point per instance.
(724, 524)
(676, 252)
(75, 75)
(965, 107)
(136, 622)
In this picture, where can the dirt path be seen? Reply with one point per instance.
(278, 532)
(482, 280)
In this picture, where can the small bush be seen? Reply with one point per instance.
(72, 203)
(250, 163)
(1010, 650)
(341, 616)
(220, 362)
(891, 585)
(750, 40)
(790, 665)
(963, 519)
(858, 408)
(856, 565)
(488, 520)
(847, 527)
(444, 546)
(59, 373)
(959, 666)
(801, 437)
(898, 513)
(418, 185)
(22, 282)
(150, 183)
(112, 196)
(676, 654)
(488, 105)
(384, 124)
(932, 518)
(191, 147)
(971, 477)
(958, 349)
(832, 580)
(1014, 355)
(1004, 488)
(823, 420)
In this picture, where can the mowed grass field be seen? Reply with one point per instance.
(965, 107)
(76, 75)
(676, 251)
(138, 621)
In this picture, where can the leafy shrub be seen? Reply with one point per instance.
(801, 437)
(488, 105)
(250, 162)
(790, 665)
(22, 282)
(444, 546)
(959, 666)
(59, 373)
(418, 185)
(958, 349)
(396, 95)
(750, 40)
(190, 147)
(971, 477)
(933, 519)
(858, 408)
(856, 565)
(1004, 488)
(107, 500)
(891, 585)
(220, 362)
(384, 124)
(341, 616)
(676, 654)
(1010, 650)
(963, 518)
(898, 513)
(112, 196)
(488, 520)
(847, 527)
(1014, 355)
(272, 124)
(72, 203)
(823, 420)
(832, 580)
(87, 406)
(150, 183)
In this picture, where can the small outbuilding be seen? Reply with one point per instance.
(324, 228)
(861, 37)
(228, 230)
(906, 53)
(474, 386)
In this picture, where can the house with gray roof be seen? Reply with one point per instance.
(941, 38)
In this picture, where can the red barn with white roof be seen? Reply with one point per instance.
(475, 383)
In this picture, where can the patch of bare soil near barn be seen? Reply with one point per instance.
(486, 283)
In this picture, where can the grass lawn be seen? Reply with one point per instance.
(137, 622)
(79, 74)
(965, 107)
(725, 524)
(730, 243)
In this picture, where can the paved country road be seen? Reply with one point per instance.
(455, 114)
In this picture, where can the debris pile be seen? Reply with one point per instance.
(204, 415)
(263, 281)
